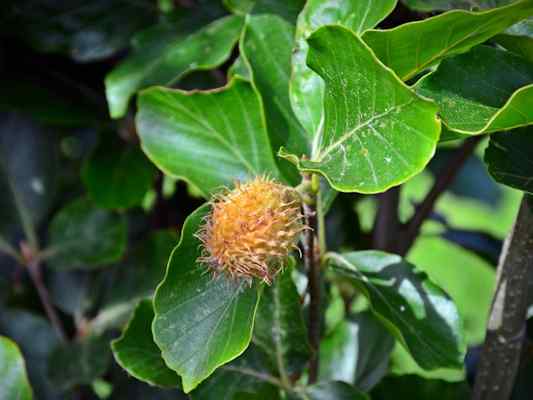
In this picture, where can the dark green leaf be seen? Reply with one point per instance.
(413, 387)
(163, 62)
(510, 158)
(306, 87)
(137, 353)
(28, 175)
(476, 100)
(117, 176)
(415, 310)
(356, 352)
(201, 322)
(69, 290)
(332, 391)
(79, 363)
(287, 9)
(225, 129)
(413, 47)
(271, 68)
(83, 236)
(247, 377)
(85, 31)
(377, 132)
(36, 339)
(280, 328)
(518, 39)
(14, 384)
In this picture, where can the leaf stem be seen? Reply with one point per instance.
(500, 356)
(34, 269)
(442, 182)
(312, 265)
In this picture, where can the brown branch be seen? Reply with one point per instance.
(34, 269)
(500, 356)
(442, 182)
(387, 224)
(312, 265)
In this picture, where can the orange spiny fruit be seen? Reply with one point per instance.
(251, 230)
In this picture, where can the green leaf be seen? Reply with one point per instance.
(83, 236)
(332, 391)
(415, 310)
(377, 132)
(280, 328)
(224, 128)
(271, 67)
(36, 339)
(306, 87)
(245, 378)
(431, 254)
(287, 9)
(518, 39)
(413, 387)
(201, 322)
(156, 63)
(136, 352)
(476, 100)
(117, 176)
(413, 47)
(28, 175)
(85, 31)
(79, 363)
(356, 352)
(14, 384)
(509, 159)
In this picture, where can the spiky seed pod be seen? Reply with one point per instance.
(251, 230)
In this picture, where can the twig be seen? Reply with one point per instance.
(500, 356)
(387, 224)
(34, 269)
(442, 182)
(312, 265)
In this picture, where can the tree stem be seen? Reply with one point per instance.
(500, 356)
(34, 269)
(312, 265)
(387, 225)
(442, 182)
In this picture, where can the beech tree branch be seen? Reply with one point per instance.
(387, 224)
(500, 356)
(312, 265)
(442, 182)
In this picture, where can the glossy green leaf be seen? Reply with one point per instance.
(332, 391)
(306, 87)
(244, 378)
(413, 387)
(413, 47)
(510, 158)
(36, 339)
(518, 39)
(415, 310)
(156, 63)
(208, 138)
(474, 100)
(79, 362)
(201, 322)
(28, 175)
(356, 352)
(14, 384)
(280, 328)
(117, 176)
(85, 31)
(271, 67)
(377, 132)
(287, 9)
(136, 352)
(84, 236)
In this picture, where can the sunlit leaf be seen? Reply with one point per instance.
(14, 384)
